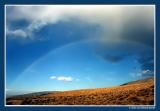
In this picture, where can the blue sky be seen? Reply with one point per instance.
(77, 47)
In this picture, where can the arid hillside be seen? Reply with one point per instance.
(133, 93)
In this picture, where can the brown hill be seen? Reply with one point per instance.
(133, 93)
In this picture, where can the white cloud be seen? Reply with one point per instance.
(142, 73)
(147, 72)
(17, 33)
(8, 89)
(109, 17)
(53, 77)
(62, 78)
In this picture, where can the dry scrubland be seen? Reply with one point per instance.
(133, 93)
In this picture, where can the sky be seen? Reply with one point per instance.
(69, 47)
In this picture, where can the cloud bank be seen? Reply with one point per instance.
(113, 19)
(125, 30)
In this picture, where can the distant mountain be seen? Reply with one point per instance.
(33, 94)
(11, 93)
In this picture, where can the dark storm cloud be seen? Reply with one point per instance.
(141, 34)
(114, 58)
(136, 38)
(138, 32)
(117, 51)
